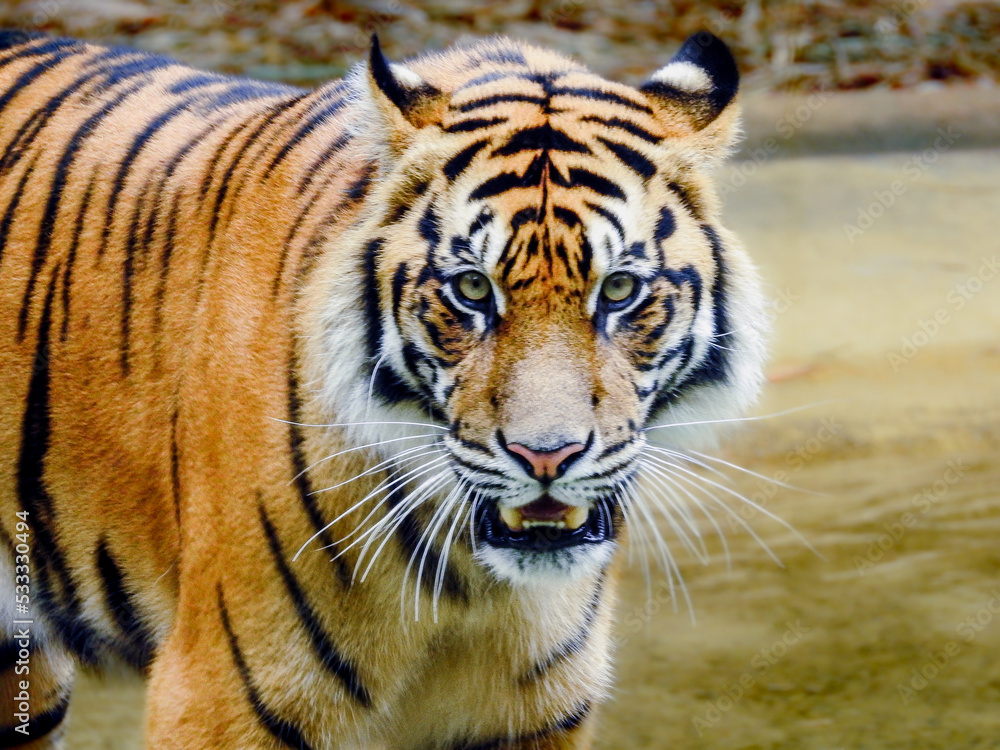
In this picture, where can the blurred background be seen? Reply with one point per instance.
(868, 191)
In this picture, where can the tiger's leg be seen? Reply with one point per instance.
(202, 692)
(36, 680)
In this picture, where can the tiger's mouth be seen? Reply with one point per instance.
(545, 524)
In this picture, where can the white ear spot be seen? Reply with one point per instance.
(685, 76)
(405, 76)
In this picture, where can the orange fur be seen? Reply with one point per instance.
(163, 353)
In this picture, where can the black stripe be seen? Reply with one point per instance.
(286, 733)
(175, 474)
(460, 161)
(8, 214)
(81, 215)
(605, 96)
(125, 167)
(220, 150)
(169, 234)
(170, 231)
(630, 158)
(665, 225)
(359, 188)
(34, 124)
(610, 216)
(286, 246)
(529, 215)
(399, 279)
(715, 367)
(16, 38)
(575, 643)
(120, 604)
(473, 123)
(509, 56)
(302, 482)
(545, 138)
(127, 263)
(566, 724)
(373, 307)
(505, 181)
(310, 174)
(133, 63)
(430, 230)
(327, 653)
(686, 199)
(586, 178)
(59, 182)
(246, 174)
(41, 725)
(36, 500)
(567, 216)
(307, 127)
(620, 124)
(487, 101)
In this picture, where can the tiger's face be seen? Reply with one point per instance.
(550, 280)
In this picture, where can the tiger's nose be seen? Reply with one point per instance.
(545, 466)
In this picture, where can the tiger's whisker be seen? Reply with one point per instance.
(446, 552)
(742, 419)
(364, 530)
(362, 447)
(393, 485)
(752, 473)
(700, 552)
(690, 476)
(438, 518)
(416, 551)
(669, 479)
(667, 560)
(357, 424)
(404, 510)
(751, 503)
(370, 470)
(371, 384)
(404, 454)
(380, 487)
(664, 484)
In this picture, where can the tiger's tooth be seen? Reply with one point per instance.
(577, 517)
(529, 524)
(512, 517)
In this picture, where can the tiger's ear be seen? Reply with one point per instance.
(694, 94)
(405, 101)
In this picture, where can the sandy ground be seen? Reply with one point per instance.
(889, 637)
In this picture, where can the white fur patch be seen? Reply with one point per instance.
(684, 75)
(405, 76)
(568, 565)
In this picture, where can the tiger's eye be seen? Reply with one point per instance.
(618, 287)
(474, 286)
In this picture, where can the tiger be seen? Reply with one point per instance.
(327, 410)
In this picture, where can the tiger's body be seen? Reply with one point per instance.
(214, 291)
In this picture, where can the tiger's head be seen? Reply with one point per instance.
(543, 272)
